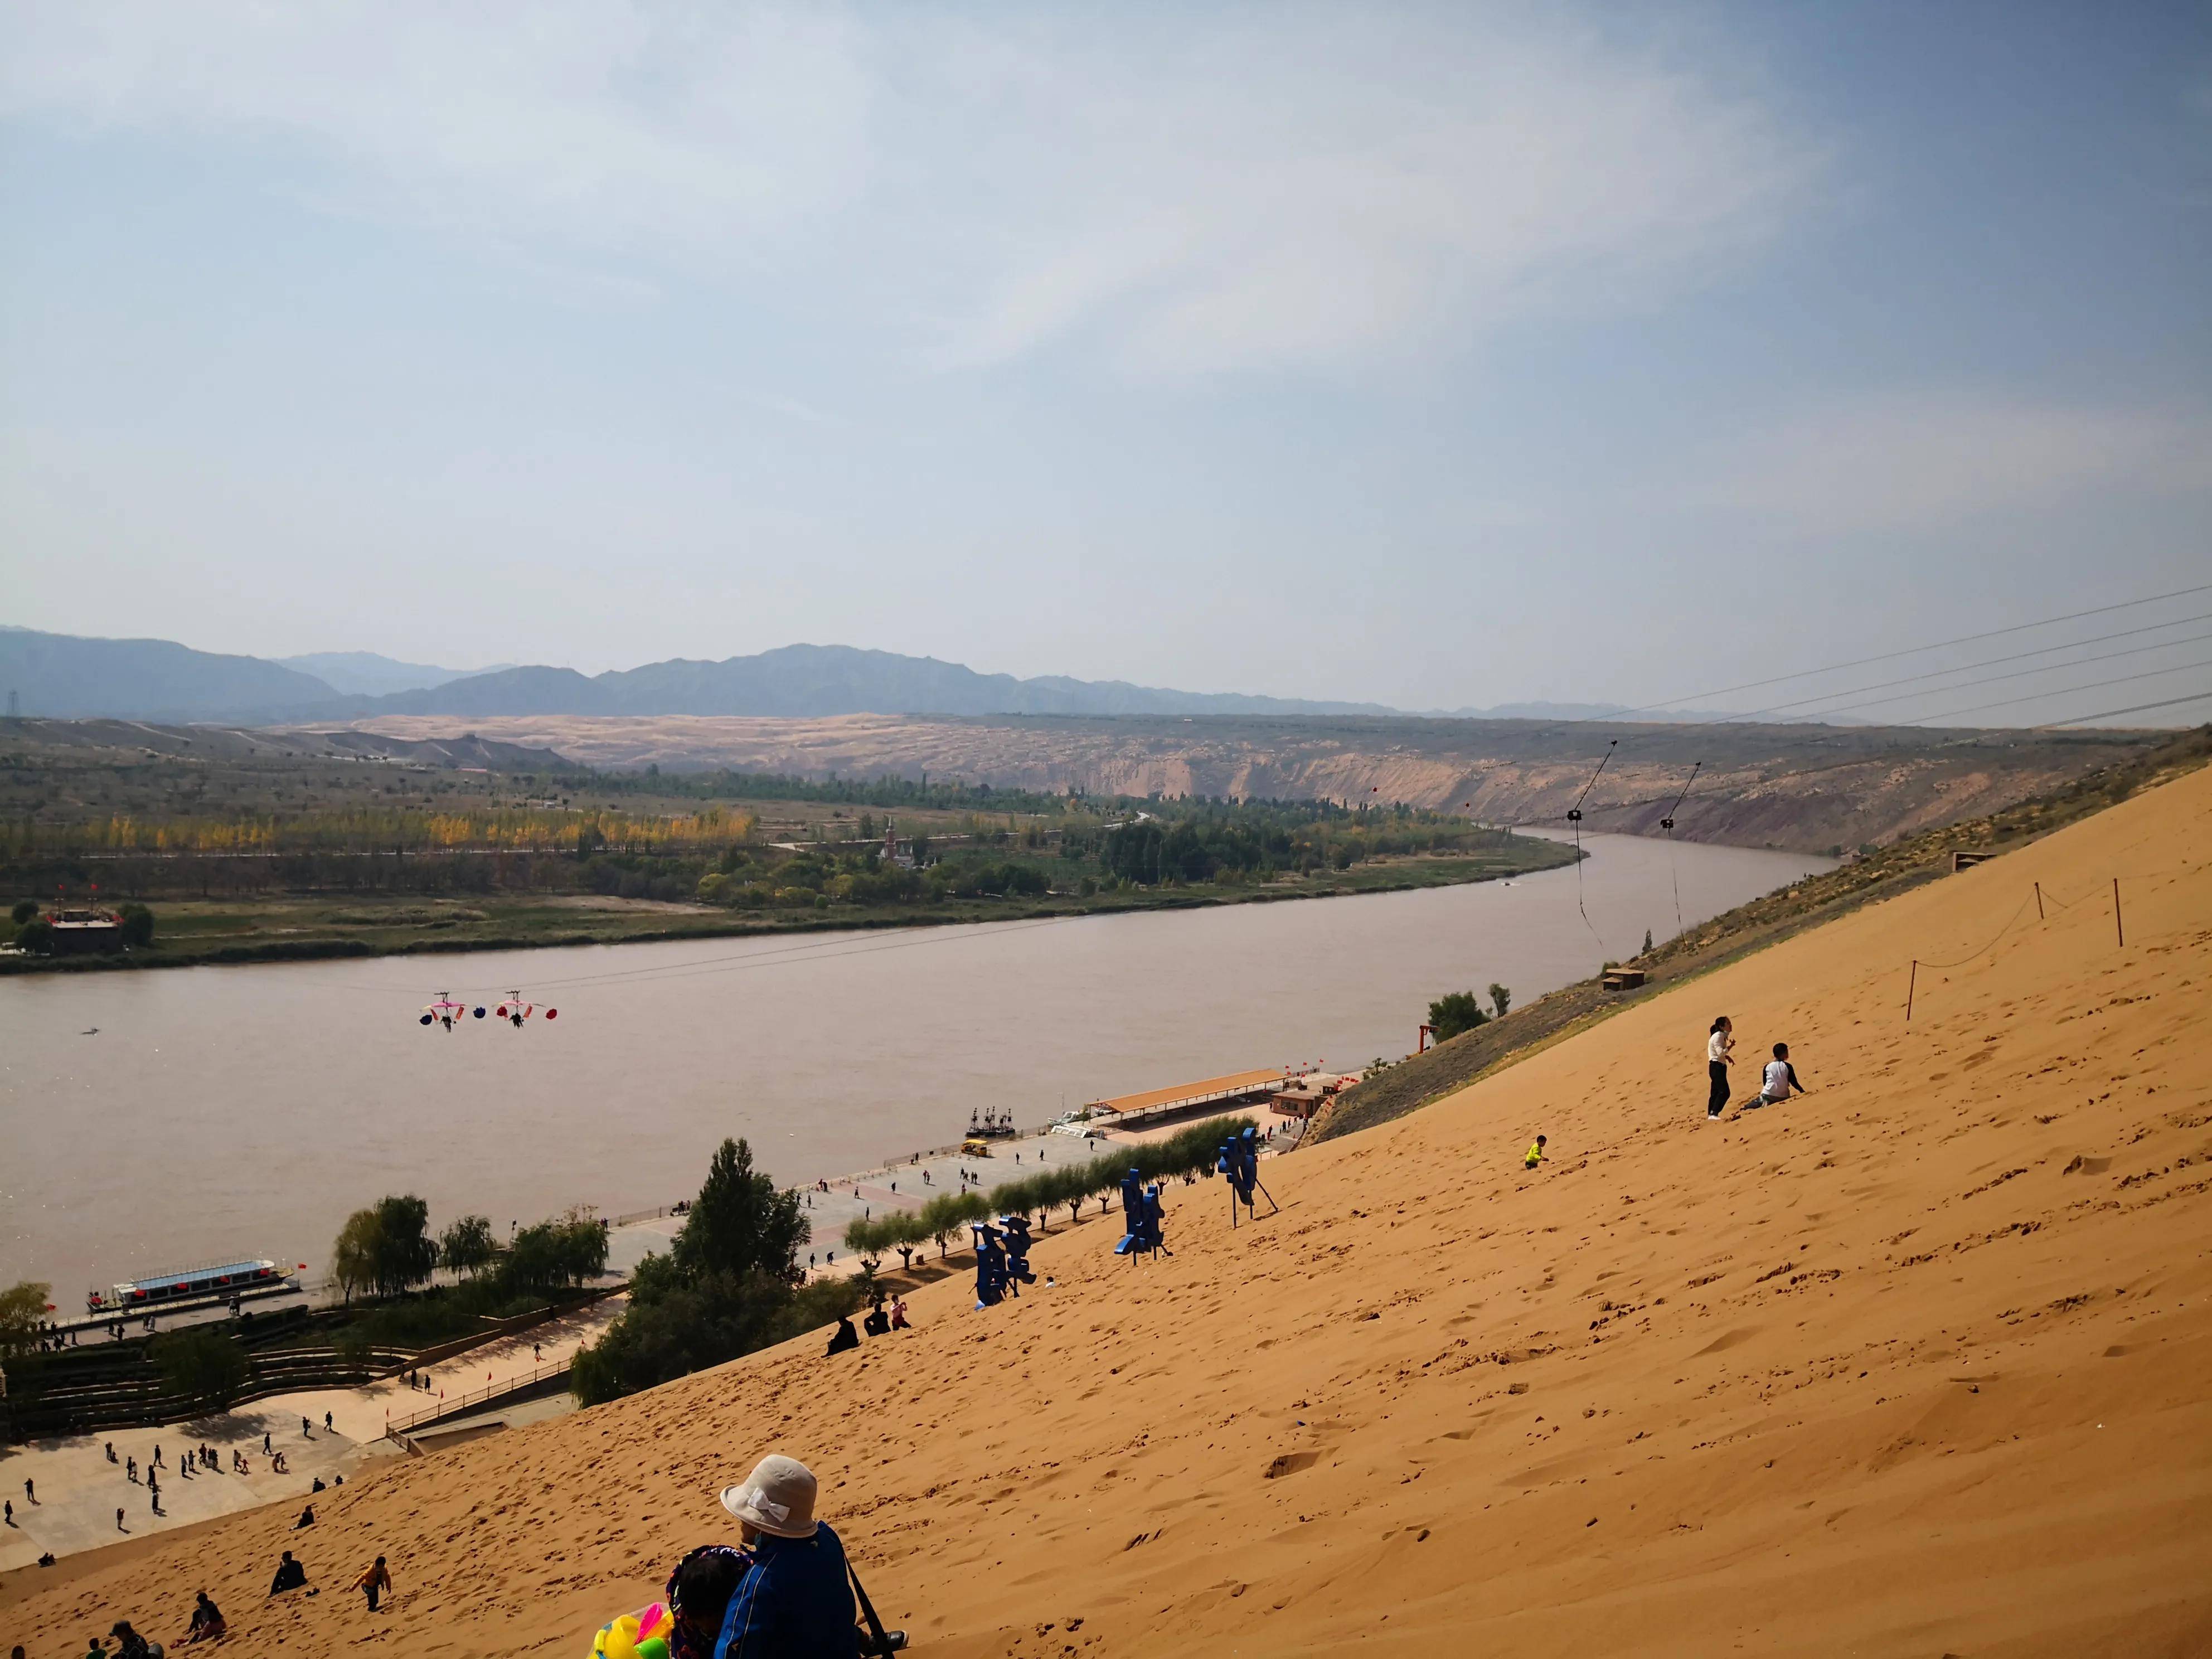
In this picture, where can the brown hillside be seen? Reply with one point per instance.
(1914, 1365)
(1807, 787)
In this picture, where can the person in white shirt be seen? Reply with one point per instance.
(1719, 1042)
(1781, 1078)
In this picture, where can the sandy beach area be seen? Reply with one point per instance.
(1913, 1364)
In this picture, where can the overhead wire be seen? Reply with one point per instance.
(1963, 668)
(2038, 696)
(1891, 656)
(2114, 713)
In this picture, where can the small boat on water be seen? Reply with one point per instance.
(158, 1289)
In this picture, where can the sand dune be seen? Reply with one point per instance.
(1915, 1365)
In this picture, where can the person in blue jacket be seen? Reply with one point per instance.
(795, 1601)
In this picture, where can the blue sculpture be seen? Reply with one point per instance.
(990, 1265)
(1140, 1215)
(1239, 1166)
(1016, 1229)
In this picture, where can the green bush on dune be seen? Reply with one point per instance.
(731, 1285)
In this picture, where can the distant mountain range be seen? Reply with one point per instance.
(65, 676)
(363, 673)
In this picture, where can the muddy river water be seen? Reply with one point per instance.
(153, 1119)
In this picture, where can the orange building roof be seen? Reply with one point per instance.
(1188, 1094)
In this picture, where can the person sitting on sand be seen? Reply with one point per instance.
(795, 1598)
(845, 1336)
(208, 1623)
(898, 1315)
(1535, 1153)
(1781, 1078)
(699, 1592)
(307, 1518)
(290, 1575)
(130, 1644)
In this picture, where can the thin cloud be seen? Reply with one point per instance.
(1192, 193)
(1909, 462)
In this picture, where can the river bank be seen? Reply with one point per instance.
(329, 927)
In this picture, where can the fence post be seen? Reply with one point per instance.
(1910, 985)
(2038, 901)
(2117, 927)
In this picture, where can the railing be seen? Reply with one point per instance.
(478, 1399)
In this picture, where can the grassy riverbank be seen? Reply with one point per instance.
(289, 927)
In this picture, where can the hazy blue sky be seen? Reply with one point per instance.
(1430, 355)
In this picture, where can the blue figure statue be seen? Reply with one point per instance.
(1140, 1212)
(990, 1265)
(1017, 1253)
(1239, 1166)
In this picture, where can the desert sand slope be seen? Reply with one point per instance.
(1920, 1363)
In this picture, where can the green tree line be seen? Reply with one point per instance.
(1056, 1187)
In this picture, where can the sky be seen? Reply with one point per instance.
(1430, 355)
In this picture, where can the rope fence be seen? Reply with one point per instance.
(2045, 901)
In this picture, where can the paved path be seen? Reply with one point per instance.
(79, 1490)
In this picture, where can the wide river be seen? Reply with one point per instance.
(151, 1121)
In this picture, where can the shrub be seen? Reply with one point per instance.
(1458, 1012)
(203, 1364)
(22, 1310)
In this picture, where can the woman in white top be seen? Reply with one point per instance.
(1719, 1044)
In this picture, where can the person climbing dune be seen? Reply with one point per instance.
(1535, 1153)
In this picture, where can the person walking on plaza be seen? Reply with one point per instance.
(377, 1581)
(1720, 1044)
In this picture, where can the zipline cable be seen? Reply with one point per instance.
(1891, 656)
(1667, 824)
(1885, 656)
(1986, 679)
(1575, 818)
(2037, 696)
(2114, 713)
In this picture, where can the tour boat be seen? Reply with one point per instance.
(223, 1279)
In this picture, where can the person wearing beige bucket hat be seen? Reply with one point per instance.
(795, 1600)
